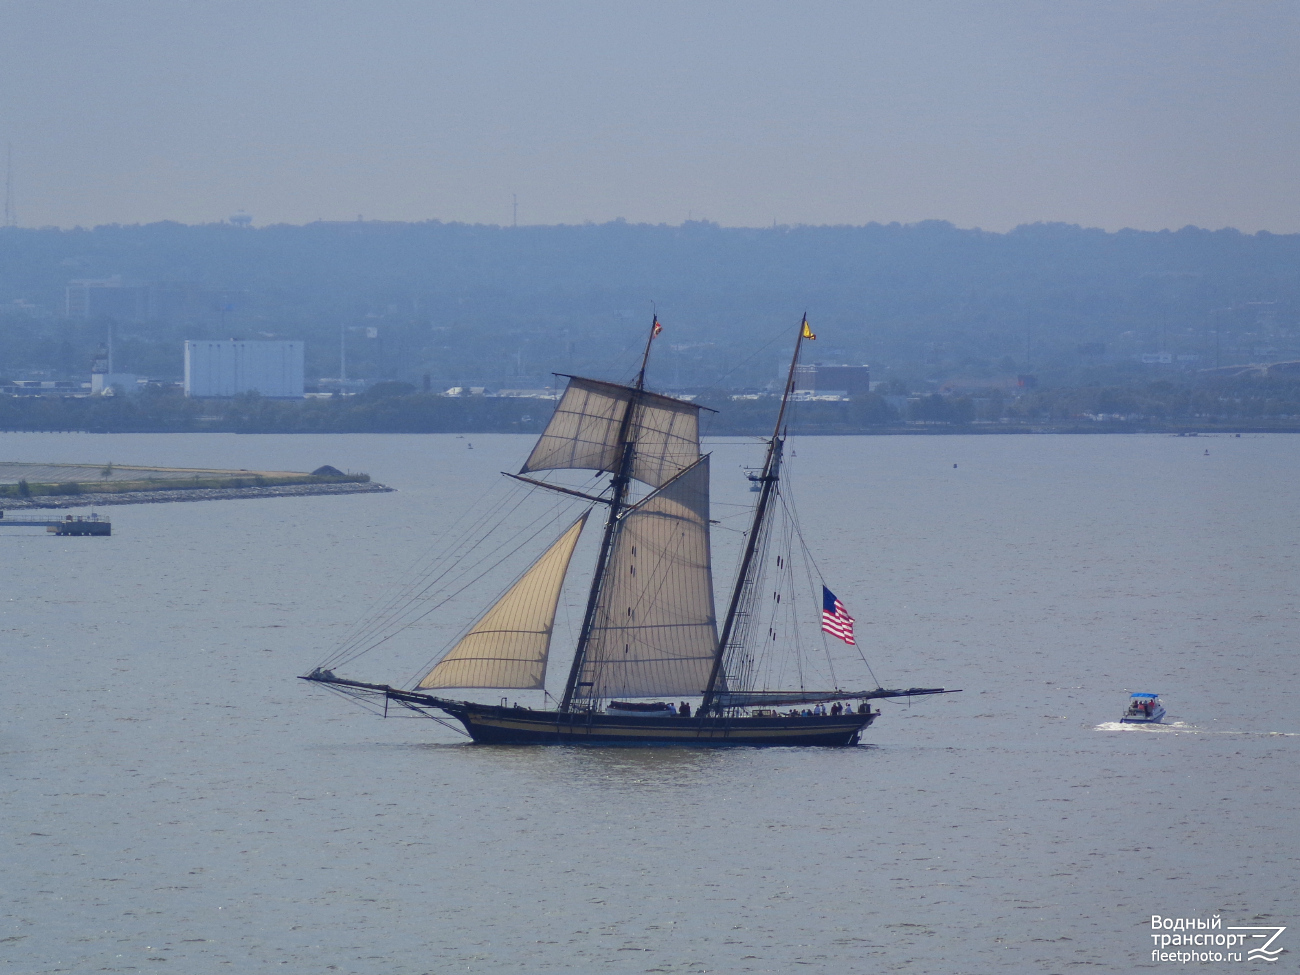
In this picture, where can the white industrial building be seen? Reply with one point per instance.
(231, 367)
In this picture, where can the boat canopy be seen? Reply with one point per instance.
(1146, 696)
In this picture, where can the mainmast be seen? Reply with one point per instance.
(745, 576)
(617, 502)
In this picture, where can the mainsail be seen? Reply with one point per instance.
(655, 631)
(583, 433)
(508, 646)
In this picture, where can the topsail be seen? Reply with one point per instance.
(583, 433)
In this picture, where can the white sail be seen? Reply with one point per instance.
(655, 632)
(583, 433)
(509, 644)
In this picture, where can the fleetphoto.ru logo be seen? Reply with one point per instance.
(1202, 939)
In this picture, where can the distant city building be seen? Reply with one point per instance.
(242, 219)
(103, 380)
(112, 297)
(109, 383)
(139, 301)
(231, 367)
(821, 379)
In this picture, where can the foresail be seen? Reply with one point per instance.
(583, 433)
(655, 631)
(509, 644)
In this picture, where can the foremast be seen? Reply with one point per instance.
(617, 503)
(746, 575)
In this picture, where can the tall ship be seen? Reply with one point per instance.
(650, 629)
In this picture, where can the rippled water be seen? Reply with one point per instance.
(174, 799)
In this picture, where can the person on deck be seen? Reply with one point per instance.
(684, 710)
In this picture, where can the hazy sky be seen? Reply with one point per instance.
(989, 114)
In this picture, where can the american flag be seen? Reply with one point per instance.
(835, 620)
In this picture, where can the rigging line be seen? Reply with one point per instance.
(775, 337)
(787, 571)
(473, 515)
(793, 620)
(744, 658)
(397, 621)
(570, 638)
(448, 564)
(768, 662)
(394, 620)
(509, 554)
(826, 650)
(799, 656)
(822, 579)
(438, 551)
(365, 701)
(759, 652)
(809, 566)
(789, 547)
(452, 562)
(561, 508)
(613, 363)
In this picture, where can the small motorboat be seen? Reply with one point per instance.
(1143, 709)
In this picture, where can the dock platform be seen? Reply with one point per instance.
(67, 525)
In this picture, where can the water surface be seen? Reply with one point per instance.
(174, 799)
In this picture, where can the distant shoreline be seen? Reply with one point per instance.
(805, 430)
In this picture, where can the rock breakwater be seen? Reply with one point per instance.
(189, 494)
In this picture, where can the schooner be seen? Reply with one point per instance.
(650, 628)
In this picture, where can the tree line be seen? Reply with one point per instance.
(1273, 403)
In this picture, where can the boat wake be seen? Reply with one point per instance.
(1163, 726)
(1183, 726)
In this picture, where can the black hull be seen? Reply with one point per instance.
(521, 726)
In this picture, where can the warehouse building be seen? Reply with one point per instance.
(231, 367)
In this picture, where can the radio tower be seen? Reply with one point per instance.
(11, 216)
